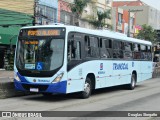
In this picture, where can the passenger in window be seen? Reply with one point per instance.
(73, 55)
(88, 51)
(104, 55)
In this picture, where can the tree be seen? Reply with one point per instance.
(77, 8)
(99, 21)
(147, 33)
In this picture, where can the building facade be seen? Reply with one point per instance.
(12, 18)
(149, 16)
(144, 15)
(125, 18)
(46, 12)
(65, 15)
(91, 10)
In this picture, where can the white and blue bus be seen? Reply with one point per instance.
(66, 59)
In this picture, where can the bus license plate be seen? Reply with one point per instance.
(34, 90)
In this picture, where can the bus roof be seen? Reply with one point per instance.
(103, 33)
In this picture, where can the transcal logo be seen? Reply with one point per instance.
(120, 66)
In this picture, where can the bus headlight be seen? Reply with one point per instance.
(17, 78)
(58, 78)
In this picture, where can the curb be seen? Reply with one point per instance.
(7, 90)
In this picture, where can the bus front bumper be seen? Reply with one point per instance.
(59, 87)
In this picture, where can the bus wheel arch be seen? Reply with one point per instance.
(134, 72)
(92, 78)
(88, 86)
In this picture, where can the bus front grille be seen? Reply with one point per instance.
(40, 87)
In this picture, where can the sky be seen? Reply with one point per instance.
(153, 3)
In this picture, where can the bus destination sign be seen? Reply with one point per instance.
(44, 32)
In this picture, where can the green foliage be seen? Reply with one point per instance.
(99, 21)
(147, 33)
(78, 7)
(9, 60)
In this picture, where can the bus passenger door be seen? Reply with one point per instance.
(74, 67)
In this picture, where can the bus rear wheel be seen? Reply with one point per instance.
(132, 84)
(87, 89)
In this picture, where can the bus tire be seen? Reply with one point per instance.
(132, 84)
(87, 89)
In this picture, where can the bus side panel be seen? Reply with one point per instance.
(107, 73)
(75, 79)
(121, 72)
(77, 75)
(146, 70)
(137, 69)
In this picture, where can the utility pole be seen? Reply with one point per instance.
(35, 12)
(129, 24)
(128, 33)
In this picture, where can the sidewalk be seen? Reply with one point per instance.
(6, 76)
(7, 88)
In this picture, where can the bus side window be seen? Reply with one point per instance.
(127, 50)
(105, 49)
(91, 46)
(78, 50)
(136, 51)
(114, 49)
(143, 52)
(73, 49)
(117, 49)
(69, 47)
(149, 52)
(87, 46)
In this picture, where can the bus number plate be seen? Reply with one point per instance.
(34, 90)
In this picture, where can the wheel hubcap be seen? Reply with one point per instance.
(87, 88)
(133, 82)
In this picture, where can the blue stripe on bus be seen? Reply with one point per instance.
(18, 86)
(23, 79)
(59, 87)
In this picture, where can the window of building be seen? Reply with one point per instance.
(108, 1)
(132, 22)
(46, 14)
(120, 18)
(66, 18)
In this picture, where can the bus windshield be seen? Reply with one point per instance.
(42, 54)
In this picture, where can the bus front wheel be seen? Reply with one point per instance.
(132, 84)
(87, 89)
